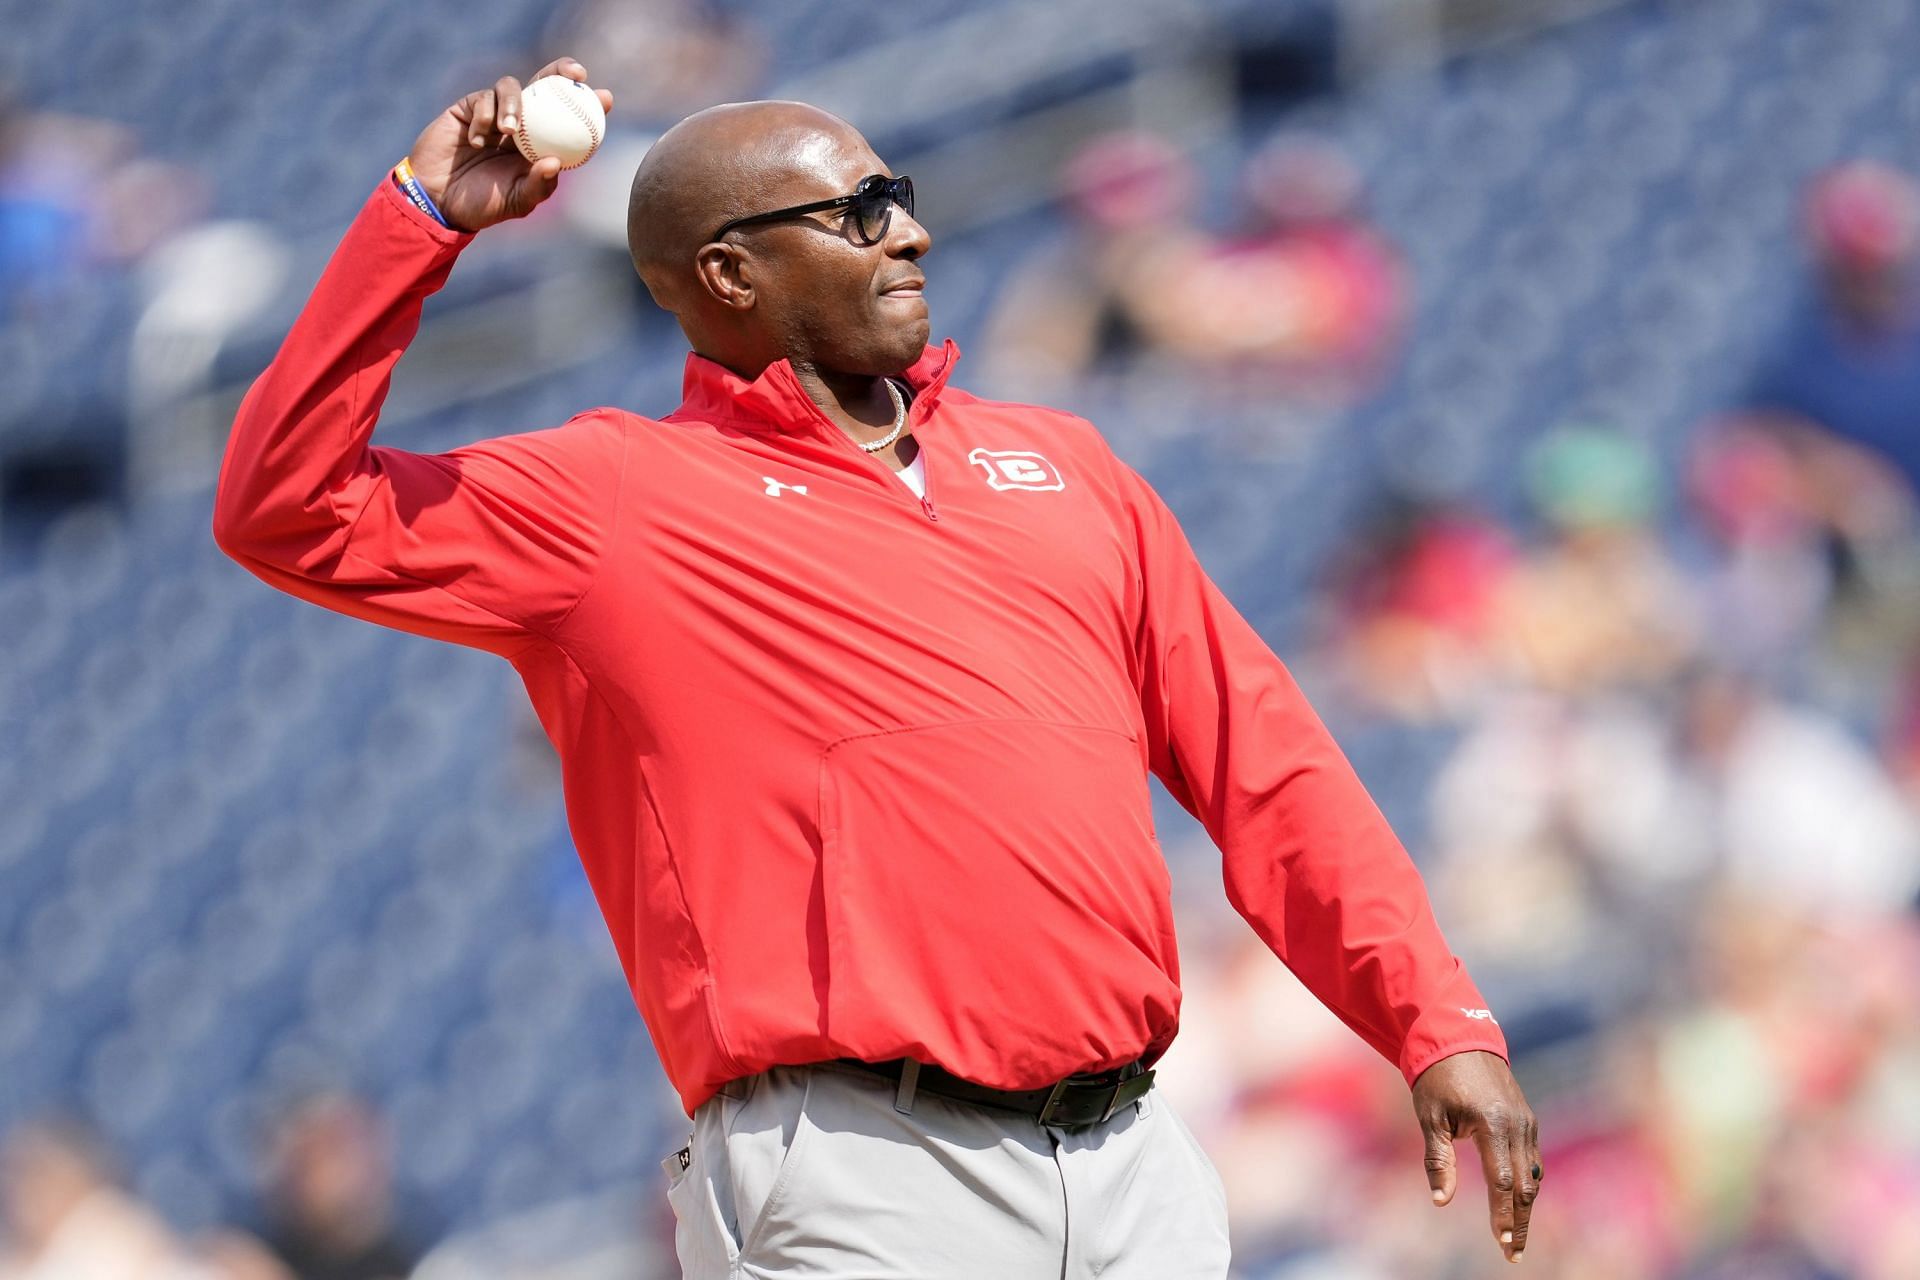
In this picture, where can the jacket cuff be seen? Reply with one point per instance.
(394, 200)
(1441, 1033)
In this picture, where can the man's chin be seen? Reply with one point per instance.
(891, 353)
(913, 342)
(903, 354)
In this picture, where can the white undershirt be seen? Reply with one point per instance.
(914, 475)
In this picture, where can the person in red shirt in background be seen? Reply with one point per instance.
(1303, 304)
(856, 680)
(1306, 302)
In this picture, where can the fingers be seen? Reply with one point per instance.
(539, 182)
(480, 119)
(1496, 1163)
(1527, 1174)
(1440, 1170)
(486, 178)
(1535, 1171)
(568, 67)
(492, 114)
(506, 92)
(1474, 1093)
(1498, 1151)
(573, 69)
(1509, 1153)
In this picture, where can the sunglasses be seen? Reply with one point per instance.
(871, 203)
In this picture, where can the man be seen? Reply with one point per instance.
(331, 1193)
(856, 680)
(1844, 373)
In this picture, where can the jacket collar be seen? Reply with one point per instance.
(775, 400)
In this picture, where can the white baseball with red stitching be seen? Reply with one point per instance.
(560, 117)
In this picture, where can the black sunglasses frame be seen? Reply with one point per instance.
(874, 189)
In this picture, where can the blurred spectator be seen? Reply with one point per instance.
(1572, 804)
(1803, 812)
(1842, 391)
(1768, 587)
(1414, 603)
(42, 220)
(1101, 299)
(1820, 562)
(1849, 361)
(78, 204)
(1778, 1067)
(1612, 820)
(1308, 299)
(1603, 602)
(332, 1191)
(75, 192)
(1306, 303)
(65, 1218)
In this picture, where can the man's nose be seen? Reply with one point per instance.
(906, 238)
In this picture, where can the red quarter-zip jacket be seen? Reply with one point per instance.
(852, 772)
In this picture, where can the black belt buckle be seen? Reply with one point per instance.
(1067, 1105)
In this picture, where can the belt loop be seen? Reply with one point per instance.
(909, 1085)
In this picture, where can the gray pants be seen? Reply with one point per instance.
(812, 1171)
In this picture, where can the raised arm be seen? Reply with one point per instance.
(1313, 866)
(486, 545)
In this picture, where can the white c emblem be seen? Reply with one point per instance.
(1016, 469)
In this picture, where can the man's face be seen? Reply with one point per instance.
(832, 301)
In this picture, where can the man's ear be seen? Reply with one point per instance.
(726, 274)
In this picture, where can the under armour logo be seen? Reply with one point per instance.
(775, 486)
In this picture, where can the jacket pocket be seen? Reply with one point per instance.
(995, 899)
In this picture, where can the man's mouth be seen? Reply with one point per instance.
(912, 287)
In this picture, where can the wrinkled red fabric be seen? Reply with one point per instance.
(852, 772)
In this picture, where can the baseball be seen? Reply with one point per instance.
(560, 117)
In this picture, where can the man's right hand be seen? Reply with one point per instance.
(469, 164)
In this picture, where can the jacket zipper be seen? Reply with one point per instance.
(893, 481)
(926, 502)
(926, 468)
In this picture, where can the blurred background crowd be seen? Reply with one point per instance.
(1542, 378)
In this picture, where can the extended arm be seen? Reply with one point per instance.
(1311, 862)
(485, 545)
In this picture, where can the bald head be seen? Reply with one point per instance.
(722, 163)
(814, 288)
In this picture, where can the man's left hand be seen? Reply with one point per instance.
(1474, 1095)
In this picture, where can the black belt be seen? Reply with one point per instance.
(1074, 1103)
